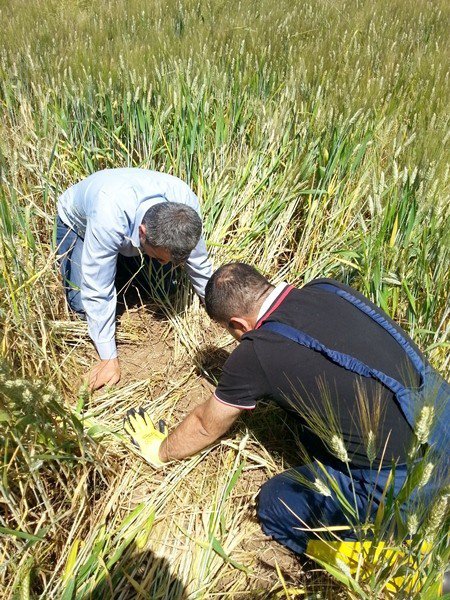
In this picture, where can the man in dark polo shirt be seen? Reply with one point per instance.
(348, 373)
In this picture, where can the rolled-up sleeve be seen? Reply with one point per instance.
(103, 238)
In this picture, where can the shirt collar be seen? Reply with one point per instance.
(271, 299)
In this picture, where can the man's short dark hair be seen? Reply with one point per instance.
(234, 290)
(174, 227)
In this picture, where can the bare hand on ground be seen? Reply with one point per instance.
(105, 372)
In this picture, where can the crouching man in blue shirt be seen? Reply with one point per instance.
(129, 212)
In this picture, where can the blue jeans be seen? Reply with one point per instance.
(285, 504)
(70, 249)
(156, 278)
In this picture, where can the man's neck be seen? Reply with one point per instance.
(269, 298)
(260, 302)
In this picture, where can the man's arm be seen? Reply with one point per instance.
(203, 426)
(198, 265)
(199, 268)
(99, 263)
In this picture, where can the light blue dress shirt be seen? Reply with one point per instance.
(106, 210)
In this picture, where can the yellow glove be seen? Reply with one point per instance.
(143, 434)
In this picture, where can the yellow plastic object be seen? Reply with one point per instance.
(351, 557)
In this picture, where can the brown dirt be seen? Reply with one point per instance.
(151, 354)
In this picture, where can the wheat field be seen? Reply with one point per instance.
(316, 136)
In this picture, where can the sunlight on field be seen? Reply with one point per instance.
(315, 135)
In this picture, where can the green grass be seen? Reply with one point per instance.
(316, 136)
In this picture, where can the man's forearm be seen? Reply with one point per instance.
(98, 296)
(187, 439)
(203, 426)
(100, 326)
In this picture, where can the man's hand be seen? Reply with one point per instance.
(145, 436)
(105, 372)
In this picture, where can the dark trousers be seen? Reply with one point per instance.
(149, 277)
(285, 504)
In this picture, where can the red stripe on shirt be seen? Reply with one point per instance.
(276, 304)
(234, 405)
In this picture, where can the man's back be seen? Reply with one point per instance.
(294, 376)
(120, 190)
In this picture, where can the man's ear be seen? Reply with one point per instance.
(142, 231)
(240, 324)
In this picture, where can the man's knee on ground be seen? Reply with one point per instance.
(286, 506)
(269, 499)
(278, 512)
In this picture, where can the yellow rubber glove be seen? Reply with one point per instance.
(145, 436)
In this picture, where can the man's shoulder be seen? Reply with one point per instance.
(242, 380)
(326, 280)
(245, 346)
(320, 285)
